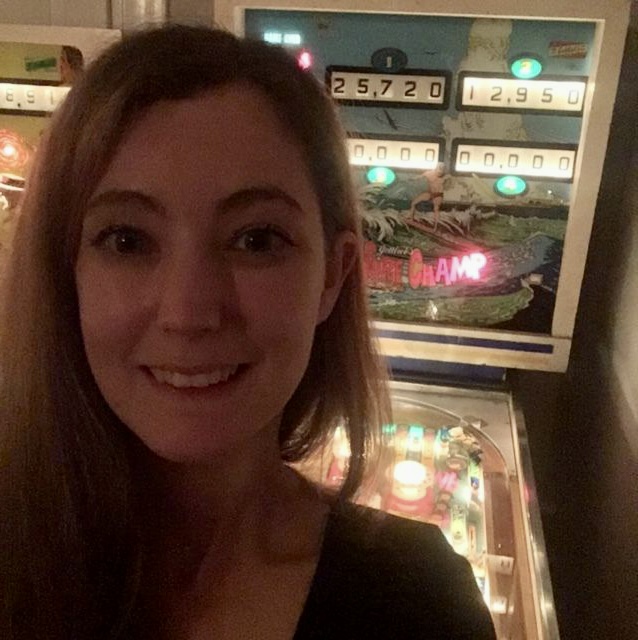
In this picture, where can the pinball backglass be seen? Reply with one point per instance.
(476, 142)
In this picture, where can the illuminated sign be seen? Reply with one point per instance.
(558, 95)
(444, 271)
(33, 98)
(367, 87)
(278, 37)
(499, 158)
(397, 273)
(396, 152)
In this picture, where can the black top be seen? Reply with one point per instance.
(384, 577)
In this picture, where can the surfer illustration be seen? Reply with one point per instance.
(434, 193)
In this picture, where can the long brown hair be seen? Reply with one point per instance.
(70, 553)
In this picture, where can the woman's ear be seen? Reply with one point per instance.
(340, 260)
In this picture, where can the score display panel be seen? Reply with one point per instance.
(31, 98)
(557, 95)
(474, 144)
(395, 151)
(497, 158)
(360, 86)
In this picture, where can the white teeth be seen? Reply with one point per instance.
(199, 380)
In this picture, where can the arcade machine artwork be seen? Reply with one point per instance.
(34, 79)
(464, 143)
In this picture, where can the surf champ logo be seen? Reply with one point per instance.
(445, 270)
(383, 271)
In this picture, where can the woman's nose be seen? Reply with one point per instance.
(195, 294)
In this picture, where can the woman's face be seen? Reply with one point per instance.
(202, 274)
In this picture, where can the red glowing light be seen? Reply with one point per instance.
(304, 59)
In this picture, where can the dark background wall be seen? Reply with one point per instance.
(583, 425)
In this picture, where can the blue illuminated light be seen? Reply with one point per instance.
(381, 175)
(510, 186)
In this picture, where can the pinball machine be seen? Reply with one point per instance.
(476, 138)
(38, 65)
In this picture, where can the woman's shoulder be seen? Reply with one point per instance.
(378, 532)
(383, 576)
(408, 551)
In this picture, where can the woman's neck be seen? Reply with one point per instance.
(245, 505)
(244, 523)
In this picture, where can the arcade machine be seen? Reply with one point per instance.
(37, 68)
(476, 137)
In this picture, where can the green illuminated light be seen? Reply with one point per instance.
(526, 68)
(510, 186)
(381, 175)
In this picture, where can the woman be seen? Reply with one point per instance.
(185, 315)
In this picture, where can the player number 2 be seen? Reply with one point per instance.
(410, 89)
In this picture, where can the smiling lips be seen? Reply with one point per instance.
(199, 380)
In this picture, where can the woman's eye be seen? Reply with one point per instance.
(261, 240)
(123, 240)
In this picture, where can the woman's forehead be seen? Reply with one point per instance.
(214, 143)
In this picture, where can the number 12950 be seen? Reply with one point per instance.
(565, 95)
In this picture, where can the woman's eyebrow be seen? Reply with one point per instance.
(119, 197)
(245, 198)
(241, 199)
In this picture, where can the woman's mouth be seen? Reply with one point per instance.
(181, 379)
